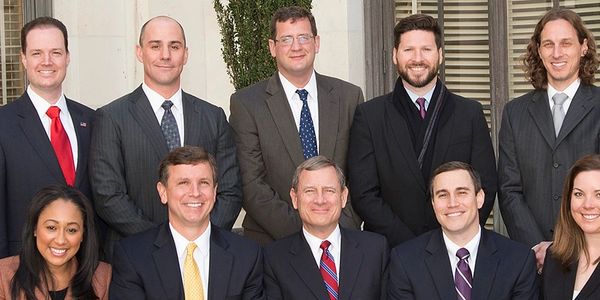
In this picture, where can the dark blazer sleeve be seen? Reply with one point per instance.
(272, 290)
(107, 173)
(399, 283)
(125, 283)
(526, 286)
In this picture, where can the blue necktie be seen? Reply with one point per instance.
(169, 126)
(307, 129)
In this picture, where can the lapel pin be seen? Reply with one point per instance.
(82, 124)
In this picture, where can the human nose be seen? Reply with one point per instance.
(60, 237)
(452, 201)
(557, 51)
(46, 59)
(194, 190)
(165, 54)
(588, 202)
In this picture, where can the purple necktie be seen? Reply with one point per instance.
(421, 102)
(462, 276)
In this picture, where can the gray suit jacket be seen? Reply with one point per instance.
(269, 150)
(533, 163)
(126, 149)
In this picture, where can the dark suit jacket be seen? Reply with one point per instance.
(146, 267)
(28, 163)
(269, 150)
(387, 187)
(558, 283)
(127, 147)
(420, 269)
(533, 163)
(292, 273)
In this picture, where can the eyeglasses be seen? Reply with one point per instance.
(288, 40)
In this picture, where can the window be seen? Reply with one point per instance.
(11, 70)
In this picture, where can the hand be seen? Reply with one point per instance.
(540, 254)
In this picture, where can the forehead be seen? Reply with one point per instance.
(162, 29)
(61, 209)
(558, 29)
(199, 170)
(45, 37)
(589, 178)
(451, 180)
(325, 176)
(293, 26)
(417, 37)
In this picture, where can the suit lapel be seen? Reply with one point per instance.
(221, 263)
(167, 264)
(33, 130)
(303, 263)
(192, 117)
(487, 264)
(283, 118)
(580, 106)
(439, 267)
(146, 118)
(540, 113)
(445, 129)
(329, 108)
(82, 131)
(351, 260)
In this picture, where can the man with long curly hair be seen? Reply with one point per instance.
(544, 131)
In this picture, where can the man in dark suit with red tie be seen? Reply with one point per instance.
(324, 260)
(45, 136)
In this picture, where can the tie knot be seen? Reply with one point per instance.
(325, 244)
(303, 94)
(421, 102)
(53, 112)
(559, 98)
(190, 249)
(462, 253)
(167, 105)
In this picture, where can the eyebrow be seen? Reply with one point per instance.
(55, 221)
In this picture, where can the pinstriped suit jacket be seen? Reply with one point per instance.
(533, 163)
(126, 149)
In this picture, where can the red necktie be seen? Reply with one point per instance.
(62, 146)
(328, 271)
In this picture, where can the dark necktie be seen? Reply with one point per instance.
(169, 126)
(328, 271)
(422, 111)
(307, 129)
(462, 276)
(61, 144)
(558, 113)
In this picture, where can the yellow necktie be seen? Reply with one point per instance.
(192, 283)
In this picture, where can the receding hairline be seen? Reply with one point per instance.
(163, 18)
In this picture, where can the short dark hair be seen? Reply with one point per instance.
(293, 13)
(417, 22)
(32, 270)
(317, 163)
(143, 30)
(453, 166)
(186, 155)
(43, 22)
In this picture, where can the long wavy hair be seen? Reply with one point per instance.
(536, 73)
(569, 239)
(33, 271)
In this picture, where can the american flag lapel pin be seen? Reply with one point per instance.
(82, 124)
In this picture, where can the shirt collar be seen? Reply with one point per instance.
(156, 100)
(569, 91)
(41, 105)
(181, 243)
(413, 97)
(290, 89)
(335, 238)
(471, 246)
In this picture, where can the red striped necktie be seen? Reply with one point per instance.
(328, 271)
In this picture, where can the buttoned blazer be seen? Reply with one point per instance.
(386, 183)
(28, 163)
(504, 269)
(558, 282)
(291, 271)
(269, 150)
(126, 150)
(146, 267)
(533, 163)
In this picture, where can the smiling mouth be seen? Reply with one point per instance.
(558, 64)
(194, 205)
(58, 252)
(455, 214)
(590, 217)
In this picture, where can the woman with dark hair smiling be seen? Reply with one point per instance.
(59, 258)
(571, 266)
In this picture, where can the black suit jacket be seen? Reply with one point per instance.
(292, 273)
(386, 184)
(558, 282)
(126, 149)
(420, 269)
(28, 163)
(146, 267)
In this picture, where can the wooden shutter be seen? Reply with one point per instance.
(11, 71)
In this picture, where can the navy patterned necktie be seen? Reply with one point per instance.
(169, 126)
(307, 129)
(462, 276)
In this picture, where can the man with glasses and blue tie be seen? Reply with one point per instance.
(283, 120)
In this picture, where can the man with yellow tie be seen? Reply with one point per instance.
(187, 257)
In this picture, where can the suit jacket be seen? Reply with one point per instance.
(28, 163)
(269, 150)
(146, 267)
(126, 150)
(9, 265)
(387, 186)
(292, 273)
(533, 163)
(420, 269)
(558, 282)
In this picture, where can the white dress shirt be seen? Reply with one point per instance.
(335, 238)
(569, 91)
(413, 97)
(42, 106)
(156, 100)
(296, 104)
(471, 246)
(201, 254)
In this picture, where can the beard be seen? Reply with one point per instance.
(416, 81)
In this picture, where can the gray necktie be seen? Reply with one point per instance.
(558, 113)
(169, 126)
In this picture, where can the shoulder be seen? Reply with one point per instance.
(507, 247)
(9, 110)
(122, 102)
(249, 93)
(368, 238)
(522, 101)
(237, 245)
(139, 242)
(277, 247)
(463, 103)
(80, 107)
(376, 105)
(413, 247)
(9, 265)
(102, 277)
(203, 104)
